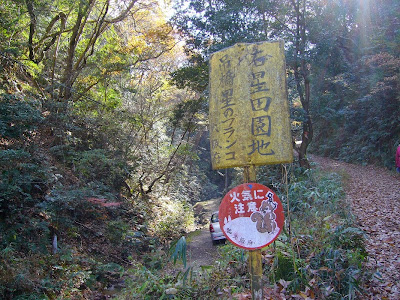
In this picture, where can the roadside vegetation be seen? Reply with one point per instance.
(319, 254)
(104, 143)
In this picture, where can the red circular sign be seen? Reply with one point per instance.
(251, 216)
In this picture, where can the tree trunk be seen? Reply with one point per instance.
(301, 74)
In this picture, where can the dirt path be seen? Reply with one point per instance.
(374, 194)
(200, 250)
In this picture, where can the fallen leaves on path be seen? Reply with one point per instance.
(374, 196)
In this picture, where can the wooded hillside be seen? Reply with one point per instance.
(342, 63)
(104, 125)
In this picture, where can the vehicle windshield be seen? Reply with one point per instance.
(214, 218)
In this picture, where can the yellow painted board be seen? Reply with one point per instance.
(249, 111)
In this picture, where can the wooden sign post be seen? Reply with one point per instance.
(249, 126)
(251, 217)
(255, 259)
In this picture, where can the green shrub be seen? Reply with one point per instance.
(348, 238)
(283, 267)
(18, 117)
(98, 166)
(117, 231)
(171, 217)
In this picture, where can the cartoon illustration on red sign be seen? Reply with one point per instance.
(251, 216)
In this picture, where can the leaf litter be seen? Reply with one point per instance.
(374, 195)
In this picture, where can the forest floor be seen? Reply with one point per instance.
(374, 195)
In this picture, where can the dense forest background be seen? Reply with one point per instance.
(342, 60)
(103, 119)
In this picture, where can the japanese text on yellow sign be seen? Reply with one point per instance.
(249, 113)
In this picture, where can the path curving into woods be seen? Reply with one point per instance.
(200, 250)
(374, 194)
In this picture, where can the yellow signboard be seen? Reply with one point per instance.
(249, 113)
